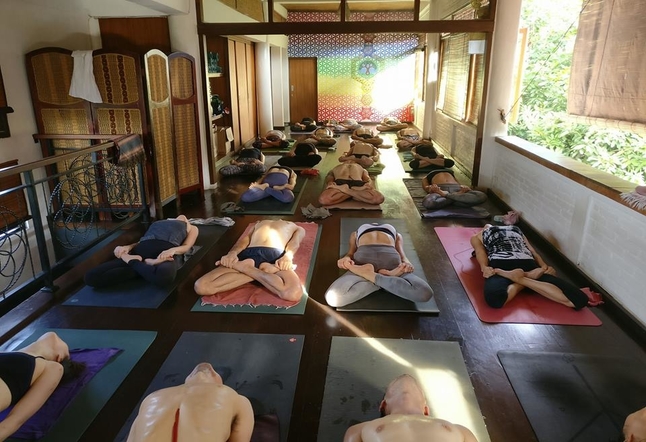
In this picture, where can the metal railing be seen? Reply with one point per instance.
(54, 210)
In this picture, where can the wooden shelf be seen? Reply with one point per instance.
(215, 75)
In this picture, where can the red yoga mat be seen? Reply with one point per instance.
(254, 294)
(526, 308)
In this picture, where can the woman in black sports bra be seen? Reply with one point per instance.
(28, 377)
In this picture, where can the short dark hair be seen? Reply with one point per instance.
(71, 370)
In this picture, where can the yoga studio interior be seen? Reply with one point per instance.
(116, 115)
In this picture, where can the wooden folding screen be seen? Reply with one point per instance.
(185, 122)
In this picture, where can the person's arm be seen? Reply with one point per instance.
(38, 393)
(539, 259)
(189, 241)
(285, 262)
(353, 434)
(232, 257)
(262, 158)
(426, 185)
(243, 421)
(120, 250)
(347, 260)
(481, 255)
(467, 435)
(375, 154)
(399, 246)
(365, 177)
(329, 178)
(347, 156)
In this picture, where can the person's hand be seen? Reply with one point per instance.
(345, 262)
(464, 189)
(549, 270)
(488, 272)
(166, 255)
(291, 154)
(407, 267)
(285, 262)
(227, 260)
(119, 251)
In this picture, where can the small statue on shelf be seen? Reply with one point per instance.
(217, 104)
(214, 63)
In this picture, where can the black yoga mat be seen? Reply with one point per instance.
(261, 367)
(360, 369)
(382, 300)
(414, 186)
(576, 397)
(138, 293)
(271, 206)
(86, 406)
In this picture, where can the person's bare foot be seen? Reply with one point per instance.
(397, 271)
(366, 271)
(535, 273)
(243, 265)
(126, 257)
(156, 261)
(515, 275)
(268, 268)
(436, 189)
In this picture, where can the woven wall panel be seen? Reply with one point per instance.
(182, 84)
(251, 8)
(116, 77)
(13, 206)
(52, 73)
(188, 171)
(157, 73)
(163, 136)
(118, 121)
(65, 122)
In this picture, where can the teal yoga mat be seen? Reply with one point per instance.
(91, 399)
(271, 206)
(261, 367)
(360, 369)
(381, 300)
(138, 293)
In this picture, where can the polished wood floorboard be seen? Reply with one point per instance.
(457, 321)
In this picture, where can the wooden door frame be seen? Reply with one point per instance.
(316, 87)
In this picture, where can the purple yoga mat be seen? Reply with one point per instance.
(40, 423)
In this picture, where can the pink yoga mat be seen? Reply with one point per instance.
(255, 294)
(526, 308)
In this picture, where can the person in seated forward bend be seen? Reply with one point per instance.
(391, 123)
(444, 190)
(349, 181)
(249, 160)
(272, 139)
(376, 260)
(425, 155)
(635, 427)
(153, 258)
(306, 125)
(347, 125)
(366, 135)
(264, 255)
(278, 182)
(303, 154)
(405, 418)
(201, 409)
(322, 136)
(509, 264)
(361, 153)
(30, 375)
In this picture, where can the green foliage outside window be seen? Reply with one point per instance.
(542, 115)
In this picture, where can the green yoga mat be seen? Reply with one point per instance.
(271, 206)
(261, 367)
(138, 293)
(381, 300)
(91, 399)
(360, 369)
(298, 309)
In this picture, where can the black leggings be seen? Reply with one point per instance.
(300, 160)
(448, 163)
(495, 287)
(114, 271)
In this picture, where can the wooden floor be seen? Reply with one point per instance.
(457, 321)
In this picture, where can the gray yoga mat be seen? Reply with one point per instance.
(261, 367)
(138, 293)
(414, 186)
(576, 397)
(360, 369)
(90, 400)
(271, 206)
(381, 300)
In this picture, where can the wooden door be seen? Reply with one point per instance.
(303, 89)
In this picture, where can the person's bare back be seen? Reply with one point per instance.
(348, 171)
(409, 428)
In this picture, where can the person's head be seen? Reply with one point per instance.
(71, 369)
(635, 427)
(52, 347)
(275, 135)
(404, 395)
(203, 373)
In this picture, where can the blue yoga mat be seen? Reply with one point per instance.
(91, 399)
(261, 367)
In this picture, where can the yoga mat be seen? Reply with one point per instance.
(382, 300)
(254, 298)
(414, 186)
(271, 206)
(78, 416)
(360, 369)
(138, 293)
(261, 367)
(576, 397)
(525, 308)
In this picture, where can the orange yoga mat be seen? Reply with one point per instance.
(526, 308)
